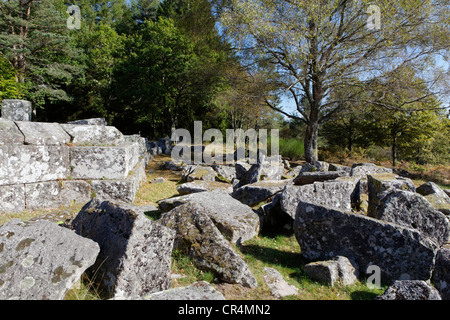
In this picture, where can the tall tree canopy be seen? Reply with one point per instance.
(311, 47)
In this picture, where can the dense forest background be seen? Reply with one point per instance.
(148, 66)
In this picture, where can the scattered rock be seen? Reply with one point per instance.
(158, 180)
(410, 290)
(436, 196)
(400, 252)
(378, 183)
(16, 110)
(135, 252)
(194, 172)
(255, 193)
(198, 236)
(236, 221)
(339, 269)
(363, 169)
(200, 290)
(318, 176)
(226, 173)
(41, 260)
(201, 186)
(9, 133)
(278, 286)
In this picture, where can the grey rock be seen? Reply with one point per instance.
(363, 169)
(200, 290)
(241, 168)
(43, 133)
(135, 252)
(336, 194)
(17, 110)
(337, 270)
(236, 221)
(158, 180)
(91, 121)
(198, 236)
(12, 198)
(253, 194)
(279, 287)
(271, 171)
(338, 167)
(378, 183)
(52, 194)
(399, 252)
(174, 166)
(411, 210)
(201, 186)
(9, 133)
(318, 176)
(29, 164)
(436, 196)
(225, 172)
(103, 162)
(441, 276)
(410, 290)
(41, 260)
(90, 135)
(194, 172)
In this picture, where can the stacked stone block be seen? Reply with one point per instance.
(46, 165)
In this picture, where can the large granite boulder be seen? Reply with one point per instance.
(400, 252)
(441, 276)
(336, 194)
(411, 210)
(236, 221)
(410, 290)
(378, 183)
(199, 237)
(436, 196)
(135, 252)
(41, 260)
(254, 193)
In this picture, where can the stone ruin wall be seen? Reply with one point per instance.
(46, 165)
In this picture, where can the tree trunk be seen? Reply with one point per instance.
(310, 143)
(394, 145)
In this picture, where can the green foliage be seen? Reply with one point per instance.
(9, 87)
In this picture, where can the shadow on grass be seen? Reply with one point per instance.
(274, 256)
(363, 295)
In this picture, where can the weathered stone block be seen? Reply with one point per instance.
(199, 237)
(339, 269)
(318, 176)
(89, 135)
(52, 194)
(41, 260)
(12, 198)
(363, 169)
(9, 133)
(43, 133)
(279, 287)
(121, 189)
(399, 252)
(28, 164)
(135, 252)
(103, 162)
(411, 210)
(17, 110)
(436, 196)
(335, 194)
(253, 194)
(201, 186)
(236, 221)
